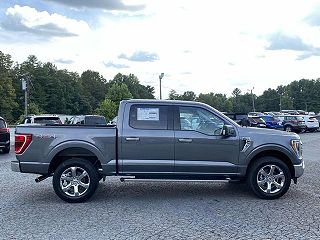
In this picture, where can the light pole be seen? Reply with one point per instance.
(253, 107)
(160, 78)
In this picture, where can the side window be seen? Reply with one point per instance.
(200, 120)
(28, 120)
(149, 117)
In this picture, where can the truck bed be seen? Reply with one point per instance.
(50, 141)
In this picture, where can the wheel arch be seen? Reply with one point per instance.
(279, 154)
(76, 149)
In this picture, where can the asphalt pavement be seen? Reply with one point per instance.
(170, 210)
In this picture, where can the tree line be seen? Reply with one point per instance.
(52, 90)
(300, 95)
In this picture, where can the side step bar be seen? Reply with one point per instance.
(172, 180)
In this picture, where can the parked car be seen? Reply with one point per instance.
(4, 136)
(88, 120)
(255, 114)
(150, 142)
(292, 123)
(272, 122)
(42, 119)
(113, 121)
(311, 122)
(257, 122)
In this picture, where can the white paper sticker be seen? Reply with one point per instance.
(148, 114)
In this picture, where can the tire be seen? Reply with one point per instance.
(288, 128)
(6, 149)
(273, 184)
(78, 177)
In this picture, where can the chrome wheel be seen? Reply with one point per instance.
(74, 181)
(271, 179)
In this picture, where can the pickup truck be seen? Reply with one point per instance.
(159, 141)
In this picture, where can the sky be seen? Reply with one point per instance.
(200, 45)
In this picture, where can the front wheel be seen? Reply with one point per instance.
(75, 180)
(269, 178)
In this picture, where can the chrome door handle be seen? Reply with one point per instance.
(132, 139)
(185, 140)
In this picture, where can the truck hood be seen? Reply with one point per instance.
(270, 135)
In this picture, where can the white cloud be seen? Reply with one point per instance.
(43, 24)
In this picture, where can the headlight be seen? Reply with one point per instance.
(297, 147)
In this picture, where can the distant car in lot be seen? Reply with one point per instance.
(4, 136)
(250, 114)
(293, 123)
(252, 122)
(113, 121)
(272, 122)
(88, 120)
(42, 119)
(312, 124)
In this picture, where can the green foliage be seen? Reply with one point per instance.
(7, 92)
(108, 109)
(186, 96)
(118, 92)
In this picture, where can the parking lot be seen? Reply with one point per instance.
(30, 210)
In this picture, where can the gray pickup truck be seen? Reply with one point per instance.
(159, 141)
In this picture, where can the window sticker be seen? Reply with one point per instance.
(148, 114)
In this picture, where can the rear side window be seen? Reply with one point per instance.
(149, 117)
(47, 120)
(2, 124)
(95, 120)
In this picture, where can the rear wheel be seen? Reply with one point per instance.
(288, 128)
(269, 178)
(6, 149)
(75, 180)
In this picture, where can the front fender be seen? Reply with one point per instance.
(274, 148)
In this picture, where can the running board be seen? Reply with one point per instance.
(172, 180)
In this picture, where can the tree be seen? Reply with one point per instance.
(118, 92)
(137, 90)
(94, 87)
(108, 109)
(8, 97)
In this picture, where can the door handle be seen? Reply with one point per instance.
(132, 139)
(185, 140)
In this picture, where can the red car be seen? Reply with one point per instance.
(4, 136)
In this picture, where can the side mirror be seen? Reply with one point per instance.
(228, 131)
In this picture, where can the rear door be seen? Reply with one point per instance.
(147, 139)
(200, 147)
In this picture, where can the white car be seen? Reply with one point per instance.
(311, 122)
(42, 119)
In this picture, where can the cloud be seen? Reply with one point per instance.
(115, 65)
(100, 4)
(63, 61)
(140, 56)
(314, 18)
(280, 41)
(29, 20)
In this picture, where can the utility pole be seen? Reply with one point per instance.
(160, 78)
(253, 107)
(24, 85)
(280, 104)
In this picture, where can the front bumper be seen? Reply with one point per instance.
(15, 166)
(299, 169)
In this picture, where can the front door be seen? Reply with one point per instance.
(200, 147)
(147, 140)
